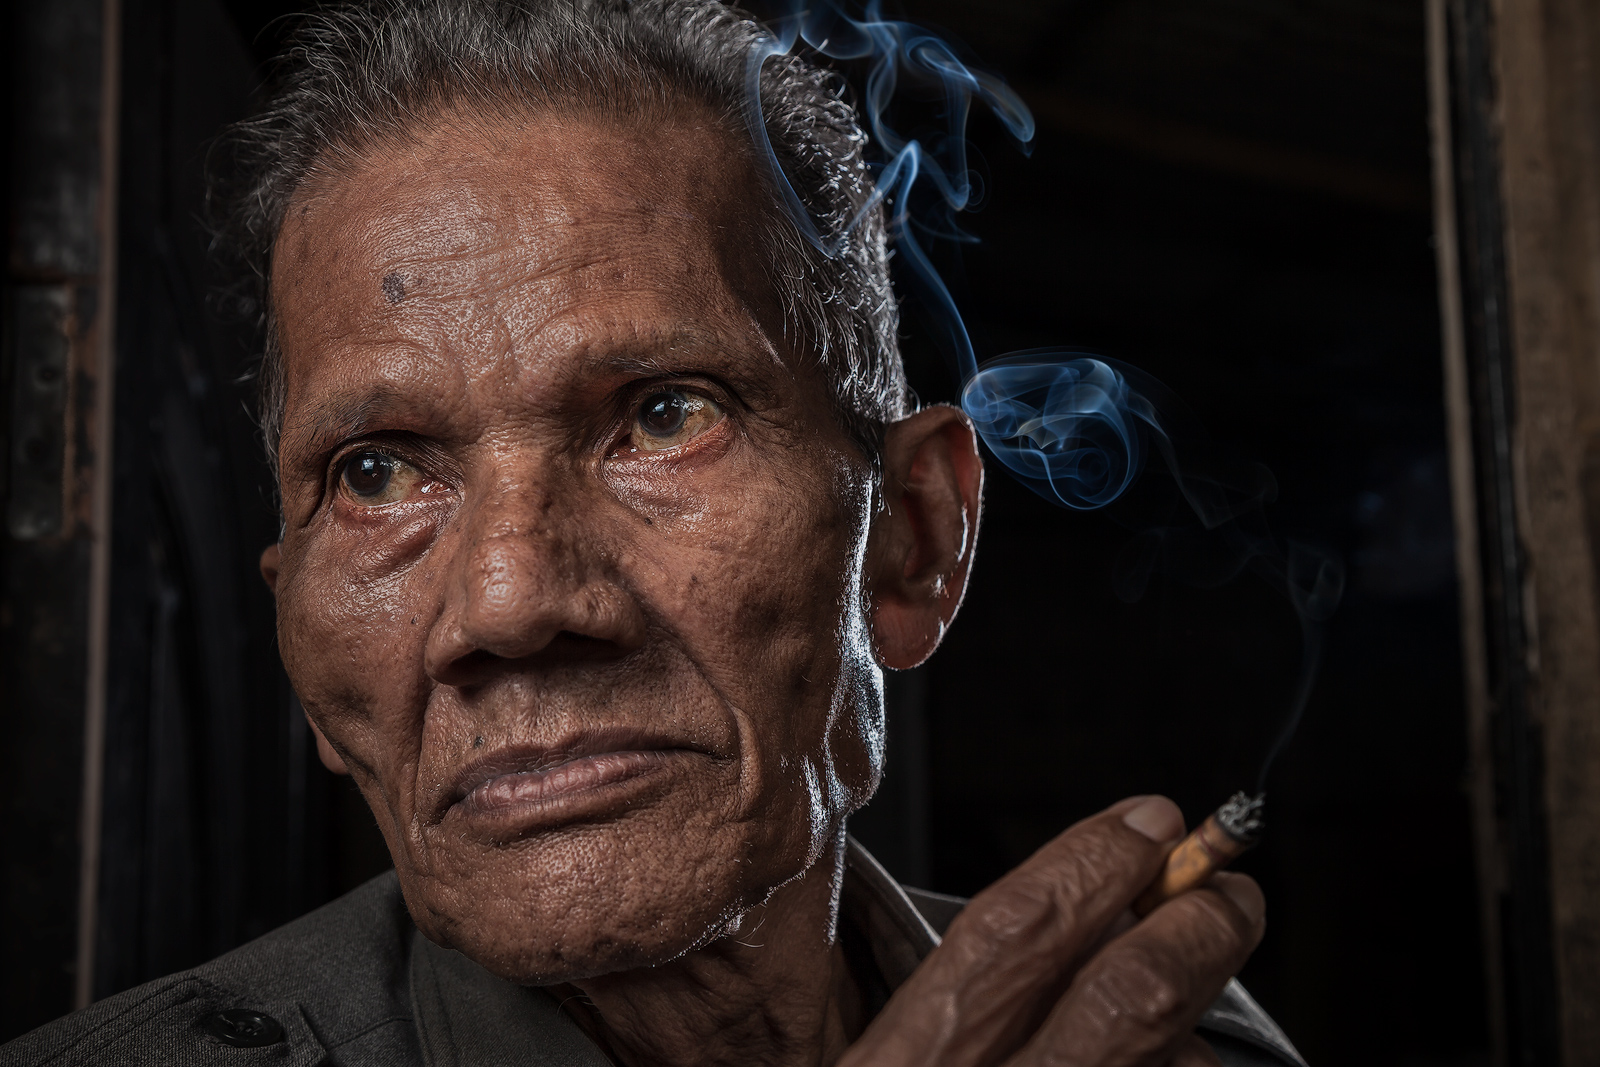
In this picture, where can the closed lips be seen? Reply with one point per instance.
(574, 775)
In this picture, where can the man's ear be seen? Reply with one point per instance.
(330, 759)
(269, 566)
(923, 539)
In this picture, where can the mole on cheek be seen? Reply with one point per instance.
(394, 289)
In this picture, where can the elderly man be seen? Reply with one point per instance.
(603, 511)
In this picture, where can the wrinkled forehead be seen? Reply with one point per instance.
(463, 178)
(533, 227)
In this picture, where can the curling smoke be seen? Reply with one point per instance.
(1075, 428)
(1071, 428)
(896, 51)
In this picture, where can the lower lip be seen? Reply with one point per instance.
(524, 790)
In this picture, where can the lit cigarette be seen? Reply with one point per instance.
(1228, 833)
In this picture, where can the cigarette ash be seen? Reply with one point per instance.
(1242, 817)
(1075, 427)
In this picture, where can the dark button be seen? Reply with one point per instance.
(242, 1028)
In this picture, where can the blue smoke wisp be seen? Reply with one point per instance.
(1071, 427)
(892, 48)
(895, 50)
(1075, 428)
(1067, 427)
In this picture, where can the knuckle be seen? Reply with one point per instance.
(1085, 861)
(1055, 902)
(1061, 881)
(1139, 986)
(1011, 911)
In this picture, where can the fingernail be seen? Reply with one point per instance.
(1157, 818)
(1244, 892)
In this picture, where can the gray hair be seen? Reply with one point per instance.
(355, 76)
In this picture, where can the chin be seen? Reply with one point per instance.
(638, 891)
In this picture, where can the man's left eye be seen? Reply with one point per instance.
(373, 479)
(671, 417)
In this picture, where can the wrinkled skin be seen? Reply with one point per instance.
(584, 584)
(544, 581)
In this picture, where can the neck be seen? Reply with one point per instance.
(775, 990)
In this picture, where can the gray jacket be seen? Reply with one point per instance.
(354, 984)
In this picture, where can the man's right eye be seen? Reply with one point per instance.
(373, 479)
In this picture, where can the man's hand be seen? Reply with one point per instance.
(1048, 965)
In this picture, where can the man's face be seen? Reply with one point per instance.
(571, 573)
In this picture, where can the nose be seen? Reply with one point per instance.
(528, 574)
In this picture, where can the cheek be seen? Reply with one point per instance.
(852, 747)
(352, 623)
(760, 580)
(765, 586)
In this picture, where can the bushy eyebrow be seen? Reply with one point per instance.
(343, 415)
(677, 352)
(746, 368)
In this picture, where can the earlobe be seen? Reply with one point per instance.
(270, 557)
(924, 537)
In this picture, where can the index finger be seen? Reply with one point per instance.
(1012, 951)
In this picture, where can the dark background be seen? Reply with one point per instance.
(1231, 195)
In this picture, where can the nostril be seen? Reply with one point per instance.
(468, 668)
(479, 665)
(570, 645)
(502, 617)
